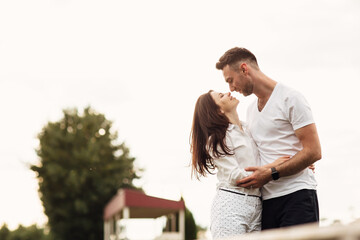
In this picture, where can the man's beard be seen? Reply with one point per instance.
(248, 90)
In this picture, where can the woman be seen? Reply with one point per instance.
(219, 140)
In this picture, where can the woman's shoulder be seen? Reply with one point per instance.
(234, 129)
(235, 136)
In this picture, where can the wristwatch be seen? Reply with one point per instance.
(274, 174)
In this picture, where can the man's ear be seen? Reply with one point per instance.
(244, 68)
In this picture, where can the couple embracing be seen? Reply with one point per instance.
(264, 166)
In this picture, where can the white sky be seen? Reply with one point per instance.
(144, 63)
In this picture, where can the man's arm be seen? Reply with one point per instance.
(310, 153)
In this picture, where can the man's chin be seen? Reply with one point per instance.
(245, 94)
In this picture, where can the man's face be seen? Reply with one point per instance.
(238, 81)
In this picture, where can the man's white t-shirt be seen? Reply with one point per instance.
(273, 130)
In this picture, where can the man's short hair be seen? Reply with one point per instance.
(234, 55)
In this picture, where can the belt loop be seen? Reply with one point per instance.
(245, 197)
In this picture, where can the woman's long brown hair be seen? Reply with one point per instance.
(207, 135)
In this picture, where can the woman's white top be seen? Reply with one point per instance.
(231, 167)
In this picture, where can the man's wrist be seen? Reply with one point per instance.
(269, 177)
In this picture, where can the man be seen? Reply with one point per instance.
(281, 124)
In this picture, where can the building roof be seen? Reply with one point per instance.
(141, 205)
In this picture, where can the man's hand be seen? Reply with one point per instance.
(259, 177)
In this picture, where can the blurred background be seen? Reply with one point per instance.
(143, 64)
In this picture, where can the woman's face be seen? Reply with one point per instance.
(225, 101)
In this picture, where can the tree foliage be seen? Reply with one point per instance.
(81, 168)
(4, 232)
(190, 226)
(23, 233)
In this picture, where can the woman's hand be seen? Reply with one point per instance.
(312, 167)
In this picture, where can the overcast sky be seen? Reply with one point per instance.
(144, 63)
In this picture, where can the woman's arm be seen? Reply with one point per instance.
(229, 170)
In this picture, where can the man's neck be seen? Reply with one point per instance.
(264, 86)
(263, 89)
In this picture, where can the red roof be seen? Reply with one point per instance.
(141, 205)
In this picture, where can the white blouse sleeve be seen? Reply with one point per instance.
(228, 166)
(229, 170)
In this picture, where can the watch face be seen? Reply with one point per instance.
(274, 174)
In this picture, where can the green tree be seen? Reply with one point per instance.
(4, 232)
(81, 168)
(190, 226)
(23, 233)
(27, 233)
